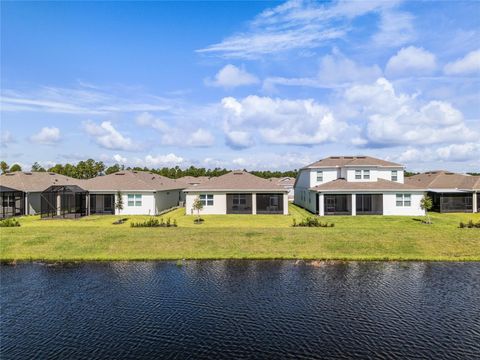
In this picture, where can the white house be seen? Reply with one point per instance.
(238, 192)
(143, 193)
(356, 185)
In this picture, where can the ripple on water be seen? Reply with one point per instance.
(240, 309)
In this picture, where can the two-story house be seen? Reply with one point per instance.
(356, 185)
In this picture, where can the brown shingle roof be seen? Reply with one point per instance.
(381, 184)
(237, 180)
(132, 180)
(190, 180)
(283, 180)
(441, 179)
(36, 181)
(338, 161)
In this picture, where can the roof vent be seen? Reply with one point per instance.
(361, 157)
(449, 173)
(51, 173)
(334, 157)
(119, 173)
(27, 173)
(9, 174)
(348, 157)
(237, 172)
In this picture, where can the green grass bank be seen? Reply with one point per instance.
(243, 237)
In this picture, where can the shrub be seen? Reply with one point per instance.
(311, 221)
(470, 224)
(153, 222)
(9, 223)
(198, 221)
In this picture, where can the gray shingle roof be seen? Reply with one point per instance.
(238, 180)
(339, 161)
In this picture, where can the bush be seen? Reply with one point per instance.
(198, 221)
(153, 222)
(311, 221)
(470, 224)
(9, 223)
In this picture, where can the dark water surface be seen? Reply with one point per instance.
(240, 309)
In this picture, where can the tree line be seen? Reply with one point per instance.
(90, 168)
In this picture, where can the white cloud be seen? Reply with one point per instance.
(6, 138)
(469, 64)
(239, 139)
(82, 100)
(231, 76)
(396, 28)
(120, 159)
(335, 70)
(459, 152)
(47, 136)
(280, 121)
(298, 25)
(108, 137)
(161, 160)
(396, 119)
(410, 61)
(171, 135)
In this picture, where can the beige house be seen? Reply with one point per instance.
(238, 192)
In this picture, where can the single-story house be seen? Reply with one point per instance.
(32, 184)
(238, 192)
(143, 193)
(450, 192)
(356, 185)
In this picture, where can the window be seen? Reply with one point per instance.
(358, 174)
(238, 199)
(320, 176)
(404, 200)
(394, 175)
(206, 199)
(366, 174)
(134, 199)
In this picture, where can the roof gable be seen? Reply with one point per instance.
(238, 180)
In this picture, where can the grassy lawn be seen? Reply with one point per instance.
(243, 236)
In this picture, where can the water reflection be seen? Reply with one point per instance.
(236, 309)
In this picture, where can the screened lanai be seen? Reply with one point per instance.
(63, 201)
(13, 202)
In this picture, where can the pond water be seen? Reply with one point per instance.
(240, 309)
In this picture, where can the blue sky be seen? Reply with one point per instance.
(256, 85)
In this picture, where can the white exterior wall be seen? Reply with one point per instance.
(351, 174)
(386, 174)
(167, 199)
(390, 207)
(147, 208)
(328, 175)
(219, 203)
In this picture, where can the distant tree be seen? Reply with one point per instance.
(474, 173)
(409, 173)
(426, 204)
(197, 205)
(15, 167)
(36, 167)
(4, 167)
(119, 201)
(112, 169)
(89, 169)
